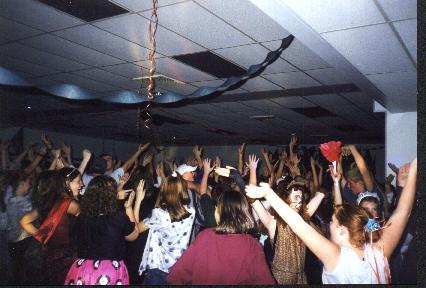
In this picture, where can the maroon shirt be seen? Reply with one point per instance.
(229, 259)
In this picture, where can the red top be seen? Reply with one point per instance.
(230, 259)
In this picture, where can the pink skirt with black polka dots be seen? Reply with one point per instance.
(97, 272)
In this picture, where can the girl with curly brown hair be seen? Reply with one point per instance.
(102, 229)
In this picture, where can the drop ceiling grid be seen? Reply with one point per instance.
(247, 12)
(104, 42)
(397, 9)
(298, 55)
(67, 78)
(35, 14)
(129, 70)
(11, 31)
(252, 54)
(41, 58)
(60, 47)
(189, 19)
(107, 77)
(259, 84)
(25, 66)
(134, 27)
(368, 53)
(408, 32)
(138, 6)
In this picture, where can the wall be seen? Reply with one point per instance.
(401, 138)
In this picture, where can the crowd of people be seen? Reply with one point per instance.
(286, 217)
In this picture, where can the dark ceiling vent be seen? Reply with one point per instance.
(314, 112)
(211, 63)
(87, 10)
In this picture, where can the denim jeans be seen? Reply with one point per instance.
(155, 277)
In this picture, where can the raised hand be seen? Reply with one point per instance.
(42, 151)
(197, 150)
(264, 151)
(346, 150)
(143, 147)
(46, 140)
(217, 162)
(257, 192)
(389, 179)
(56, 153)
(140, 191)
(403, 174)
(242, 148)
(206, 166)
(129, 202)
(86, 154)
(336, 176)
(293, 140)
(124, 178)
(253, 161)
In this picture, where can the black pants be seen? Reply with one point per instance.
(17, 252)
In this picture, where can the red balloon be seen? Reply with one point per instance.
(331, 150)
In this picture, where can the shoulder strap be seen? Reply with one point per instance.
(49, 225)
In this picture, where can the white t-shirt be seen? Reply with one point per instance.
(166, 240)
(116, 174)
(351, 269)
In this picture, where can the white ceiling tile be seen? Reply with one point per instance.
(292, 80)
(408, 32)
(328, 76)
(196, 23)
(11, 30)
(327, 99)
(399, 9)
(37, 15)
(137, 5)
(260, 84)
(105, 42)
(107, 77)
(330, 15)
(70, 50)
(293, 102)
(235, 91)
(128, 70)
(298, 55)
(373, 49)
(24, 66)
(66, 78)
(263, 29)
(178, 70)
(399, 87)
(135, 28)
(249, 55)
(358, 98)
(32, 55)
(185, 89)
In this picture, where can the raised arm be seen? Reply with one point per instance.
(268, 163)
(315, 202)
(66, 148)
(314, 175)
(252, 164)
(241, 151)
(362, 166)
(407, 178)
(324, 249)
(197, 151)
(337, 195)
(135, 156)
(207, 169)
(30, 168)
(86, 154)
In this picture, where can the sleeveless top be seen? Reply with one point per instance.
(289, 257)
(350, 269)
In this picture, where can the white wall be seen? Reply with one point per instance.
(401, 138)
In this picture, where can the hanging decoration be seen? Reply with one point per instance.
(74, 92)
